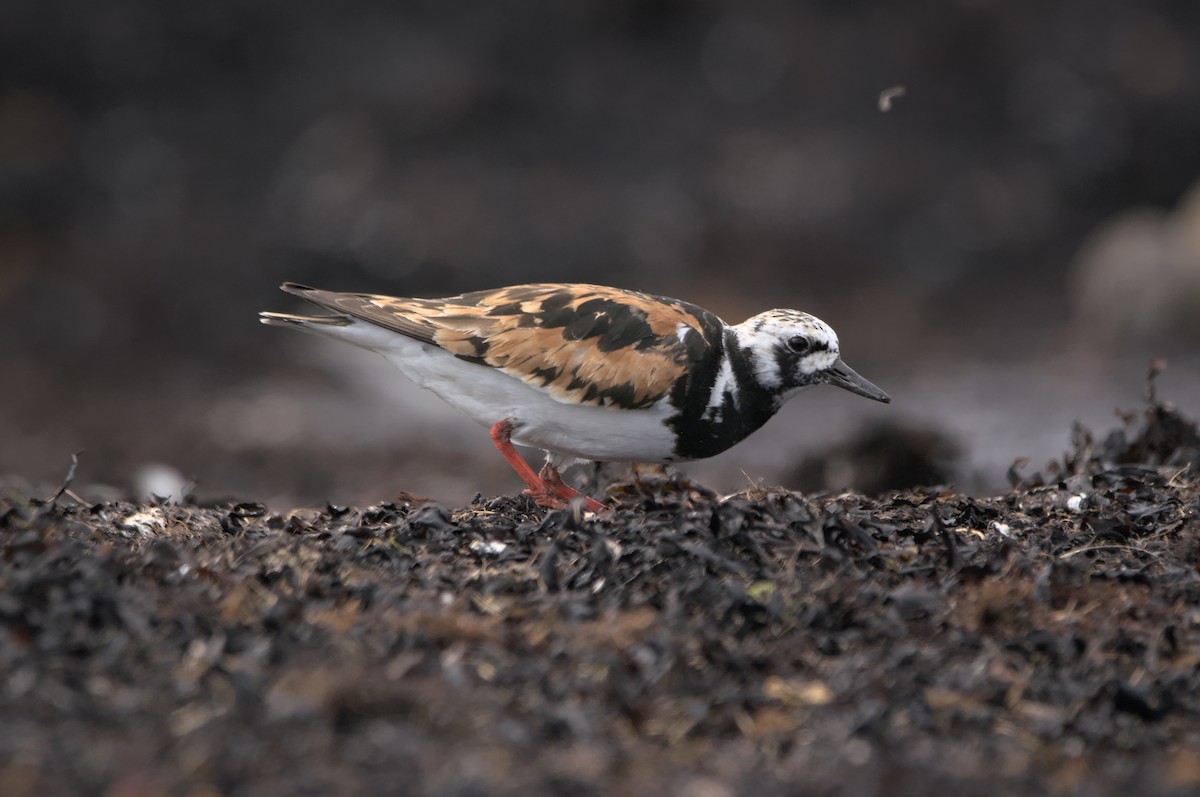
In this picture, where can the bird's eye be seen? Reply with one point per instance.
(800, 344)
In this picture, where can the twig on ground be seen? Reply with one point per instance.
(65, 489)
(947, 538)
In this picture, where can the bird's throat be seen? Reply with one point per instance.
(724, 407)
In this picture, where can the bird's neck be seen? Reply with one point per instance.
(726, 406)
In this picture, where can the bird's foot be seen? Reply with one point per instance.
(554, 500)
(543, 497)
(553, 481)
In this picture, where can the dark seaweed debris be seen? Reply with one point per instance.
(1158, 435)
(1043, 641)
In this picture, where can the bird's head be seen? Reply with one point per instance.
(793, 350)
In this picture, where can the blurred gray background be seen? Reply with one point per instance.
(1003, 250)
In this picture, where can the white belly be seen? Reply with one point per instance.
(490, 396)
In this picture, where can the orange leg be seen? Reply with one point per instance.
(547, 488)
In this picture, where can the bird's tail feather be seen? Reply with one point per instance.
(291, 320)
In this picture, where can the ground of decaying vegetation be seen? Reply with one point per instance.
(1046, 640)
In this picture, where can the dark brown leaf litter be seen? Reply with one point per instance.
(1044, 641)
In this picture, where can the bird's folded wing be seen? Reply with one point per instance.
(582, 344)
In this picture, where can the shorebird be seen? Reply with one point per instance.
(586, 372)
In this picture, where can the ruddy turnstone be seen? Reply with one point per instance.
(586, 372)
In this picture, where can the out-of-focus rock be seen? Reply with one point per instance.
(884, 457)
(155, 480)
(1136, 279)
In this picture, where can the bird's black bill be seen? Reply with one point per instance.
(844, 376)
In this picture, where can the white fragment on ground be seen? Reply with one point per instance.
(147, 521)
(1076, 503)
(489, 547)
(1003, 529)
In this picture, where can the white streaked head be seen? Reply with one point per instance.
(792, 350)
(788, 340)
